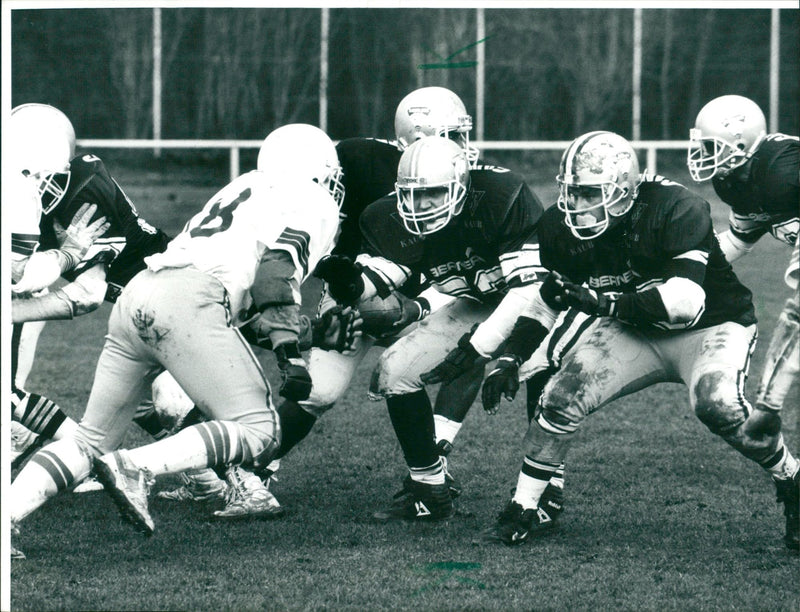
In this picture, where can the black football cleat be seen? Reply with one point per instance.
(516, 524)
(419, 501)
(788, 491)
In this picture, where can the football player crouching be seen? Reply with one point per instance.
(473, 234)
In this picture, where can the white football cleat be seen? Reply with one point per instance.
(88, 485)
(248, 498)
(16, 553)
(128, 486)
(198, 486)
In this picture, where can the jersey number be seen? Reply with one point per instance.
(218, 211)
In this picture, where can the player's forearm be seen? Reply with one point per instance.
(733, 247)
(381, 276)
(678, 301)
(82, 296)
(47, 307)
(498, 326)
(513, 322)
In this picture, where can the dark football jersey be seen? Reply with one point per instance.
(764, 195)
(638, 254)
(369, 172)
(127, 241)
(491, 246)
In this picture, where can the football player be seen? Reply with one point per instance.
(756, 174)
(369, 168)
(472, 233)
(32, 268)
(369, 172)
(181, 314)
(638, 255)
(43, 142)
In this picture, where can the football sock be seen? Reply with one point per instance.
(412, 420)
(433, 474)
(54, 468)
(210, 444)
(557, 480)
(41, 415)
(454, 399)
(782, 464)
(445, 428)
(148, 420)
(296, 424)
(533, 479)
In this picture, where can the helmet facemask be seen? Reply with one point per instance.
(727, 132)
(590, 220)
(432, 184)
(422, 218)
(598, 183)
(51, 188)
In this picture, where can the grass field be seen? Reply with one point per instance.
(660, 514)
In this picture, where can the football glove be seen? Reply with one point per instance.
(550, 292)
(458, 361)
(584, 299)
(76, 240)
(295, 379)
(502, 381)
(343, 276)
(337, 329)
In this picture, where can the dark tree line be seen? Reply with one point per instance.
(550, 73)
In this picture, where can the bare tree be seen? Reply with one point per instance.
(130, 68)
(260, 70)
(664, 75)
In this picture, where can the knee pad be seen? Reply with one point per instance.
(170, 401)
(718, 402)
(391, 376)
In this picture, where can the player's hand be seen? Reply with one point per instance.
(295, 379)
(460, 360)
(583, 299)
(503, 381)
(338, 329)
(411, 311)
(76, 240)
(551, 292)
(343, 276)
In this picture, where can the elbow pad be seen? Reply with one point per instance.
(684, 300)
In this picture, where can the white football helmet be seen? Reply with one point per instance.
(598, 182)
(302, 151)
(432, 184)
(726, 133)
(434, 111)
(43, 142)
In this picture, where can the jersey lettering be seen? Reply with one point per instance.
(219, 218)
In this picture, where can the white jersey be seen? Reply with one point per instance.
(250, 215)
(21, 200)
